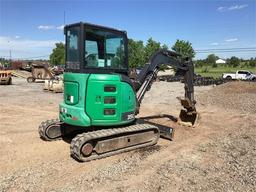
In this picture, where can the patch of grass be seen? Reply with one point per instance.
(218, 71)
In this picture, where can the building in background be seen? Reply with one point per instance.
(220, 61)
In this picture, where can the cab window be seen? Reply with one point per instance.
(104, 49)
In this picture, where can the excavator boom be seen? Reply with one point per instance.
(184, 67)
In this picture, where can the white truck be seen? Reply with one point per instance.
(240, 74)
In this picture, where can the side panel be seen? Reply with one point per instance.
(109, 101)
(128, 102)
(97, 93)
(97, 100)
(72, 108)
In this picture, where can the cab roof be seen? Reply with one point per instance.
(94, 26)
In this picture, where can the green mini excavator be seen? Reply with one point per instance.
(101, 100)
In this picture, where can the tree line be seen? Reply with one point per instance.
(233, 61)
(139, 54)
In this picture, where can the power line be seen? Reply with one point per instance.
(34, 57)
(37, 56)
(226, 51)
(240, 48)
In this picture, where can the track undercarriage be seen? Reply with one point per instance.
(102, 143)
(50, 130)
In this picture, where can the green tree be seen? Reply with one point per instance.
(151, 47)
(234, 61)
(184, 48)
(252, 62)
(200, 63)
(136, 53)
(211, 60)
(57, 56)
(164, 46)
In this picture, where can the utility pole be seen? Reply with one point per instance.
(10, 55)
(10, 51)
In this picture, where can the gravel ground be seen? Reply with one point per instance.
(239, 96)
(218, 155)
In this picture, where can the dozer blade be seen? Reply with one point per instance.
(188, 118)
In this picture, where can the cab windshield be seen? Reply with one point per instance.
(103, 49)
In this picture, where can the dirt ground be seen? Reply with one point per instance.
(217, 155)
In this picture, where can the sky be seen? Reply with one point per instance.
(30, 29)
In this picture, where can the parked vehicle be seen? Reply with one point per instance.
(58, 70)
(252, 77)
(240, 74)
(40, 72)
(5, 78)
(54, 85)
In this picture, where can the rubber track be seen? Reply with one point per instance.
(43, 127)
(81, 139)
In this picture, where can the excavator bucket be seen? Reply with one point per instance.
(187, 117)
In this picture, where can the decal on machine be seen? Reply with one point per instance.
(128, 116)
